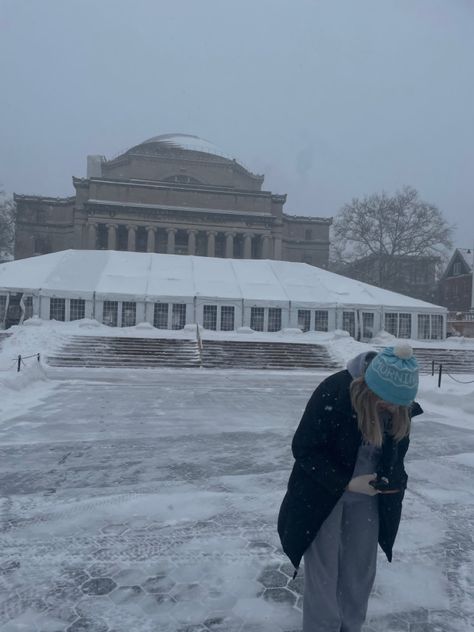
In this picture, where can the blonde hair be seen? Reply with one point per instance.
(364, 401)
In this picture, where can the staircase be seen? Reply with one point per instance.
(453, 360)
(121, 352)
(232, 354)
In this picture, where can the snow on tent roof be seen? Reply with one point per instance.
(116, 274)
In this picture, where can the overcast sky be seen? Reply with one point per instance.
(330, 99)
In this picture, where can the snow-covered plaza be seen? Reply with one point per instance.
(146, 501)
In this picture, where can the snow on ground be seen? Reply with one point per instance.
(146, 500)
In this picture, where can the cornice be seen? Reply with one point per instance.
(169, 213)
(174, 186)
(295, 219)
(55, 201)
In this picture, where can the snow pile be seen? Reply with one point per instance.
(453, 401)
(20, 391)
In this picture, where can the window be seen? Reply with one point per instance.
(102, 237)
(398, 325)
(110, 313)
(367, 325)
(141, 239)
(391, 324)
(257, 315)
(304, 319)
(456, 268)
(423, 326)
(436, 327)
(28, 303)
(77, 309)
(3, 307)
(178, 316)
(348, 322)
(41, 246)
(404, 325)
(160, 316)
(274, 319)
(57, 309)
(129, 314)
(321, 320)
(210, 317)
(122, 237)
(227, 318)
(308, 234)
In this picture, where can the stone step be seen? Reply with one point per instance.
(97, 351)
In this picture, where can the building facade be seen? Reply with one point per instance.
(455, 291)
(410, 275)
(455, 285)
(173, 194)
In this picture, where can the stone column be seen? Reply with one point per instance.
(229, 245)
(132, 238)
(277, 248)
(192, 242)
(150, 239)
(92, 235)
(171, 235)
(266, 246)
(248, 245)
(112, 236)
(211, 243)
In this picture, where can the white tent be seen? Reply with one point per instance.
(121, 287)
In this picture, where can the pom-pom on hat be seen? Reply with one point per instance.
(393, 375)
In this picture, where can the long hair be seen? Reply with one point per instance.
(364, 402)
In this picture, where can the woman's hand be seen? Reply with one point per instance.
(361, 485)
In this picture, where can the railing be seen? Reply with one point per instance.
(457, 316)
(19, 361)
(440, 374)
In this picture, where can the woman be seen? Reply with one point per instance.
(346, 489)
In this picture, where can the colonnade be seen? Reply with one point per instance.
(270, 247)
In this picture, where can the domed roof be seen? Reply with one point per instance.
(185, 141)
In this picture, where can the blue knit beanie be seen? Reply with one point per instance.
(393, 375)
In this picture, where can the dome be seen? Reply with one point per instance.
(185, 141)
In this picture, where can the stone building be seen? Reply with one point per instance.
(173, 194)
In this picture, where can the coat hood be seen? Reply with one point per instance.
(358, 365)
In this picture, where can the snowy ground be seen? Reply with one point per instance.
(147, 501)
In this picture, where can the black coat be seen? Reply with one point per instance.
(325, 448)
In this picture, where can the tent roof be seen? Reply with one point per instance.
(113, 273)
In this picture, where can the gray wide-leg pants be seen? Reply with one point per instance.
(339, 568)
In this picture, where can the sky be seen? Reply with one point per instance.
(330, 99)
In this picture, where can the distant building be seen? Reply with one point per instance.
(173, 194)
(410, 275)
(455, 284)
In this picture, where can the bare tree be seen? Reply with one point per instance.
(383, 230)
(7, 225)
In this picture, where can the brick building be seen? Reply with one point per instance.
(407, 274)
(174, 194)
(455, 285)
